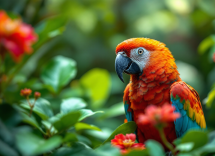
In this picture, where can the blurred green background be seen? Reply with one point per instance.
(91, 29)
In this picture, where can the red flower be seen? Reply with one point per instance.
(25, 92)
(126, 143)
(15, 36)
(158, 116)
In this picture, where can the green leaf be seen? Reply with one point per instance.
(185, 147)
(101, 135)
(113, 111)
(5, 134)
(49, 127)
(64, 121)
(107, 150)
(30, 144)
(49, 28)
(70, 137)
(206, 44)
(209, 147)
(7, 150)
(97, 82)
(12, 117)
(210, 98)
(184, 154)
(81, 126)
(199, 138)
(41, 107)
(58, 72)
(125, 128)
(144, 152)
(86, 113)
(154, 148)
(78, 149)
(48, 145)
(177, 141)
(84, 140)
(32, 121)
(72, 104)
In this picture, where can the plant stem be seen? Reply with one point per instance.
(165, 141)
(31, 110)
(31, 106)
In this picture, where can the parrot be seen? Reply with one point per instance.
(155, 80)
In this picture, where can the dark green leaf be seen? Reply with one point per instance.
(125, 128)
(47, 145)
(72, 104)
(5, 134)
(138, 153)
(32, 121)
(12, 117)
(70, 137)
(154, 148)
(78, 149)
(58, 72)
(84, 140)
(64, 121)
(30, 144)
(199, 138)
(209, 147)
(41, 107)
(7, 150)
(184, 154)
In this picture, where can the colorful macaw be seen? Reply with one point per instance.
(155, 80)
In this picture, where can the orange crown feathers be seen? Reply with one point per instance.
(147, 43)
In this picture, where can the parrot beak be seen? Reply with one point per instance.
(124, 64)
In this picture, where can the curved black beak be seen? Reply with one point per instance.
(126, 65)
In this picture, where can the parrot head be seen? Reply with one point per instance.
(137, 55)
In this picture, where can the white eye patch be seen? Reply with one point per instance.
(140, 56)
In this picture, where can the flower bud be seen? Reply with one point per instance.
(37, 95)
(25, 92)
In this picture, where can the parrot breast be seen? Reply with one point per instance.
(152, 88)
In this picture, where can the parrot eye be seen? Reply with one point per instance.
(140, 51)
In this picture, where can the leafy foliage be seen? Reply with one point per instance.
(72, 66)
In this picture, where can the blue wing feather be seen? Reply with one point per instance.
(127, 113)
(183, 123)
(129, 116)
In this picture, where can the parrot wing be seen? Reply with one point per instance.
(128, 111)
(186, 101)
